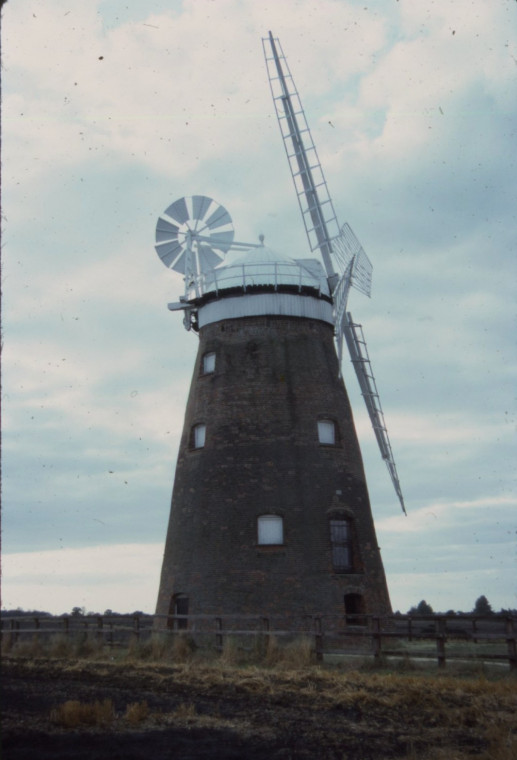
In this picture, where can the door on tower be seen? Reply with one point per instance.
(354, 609)
(178, 606)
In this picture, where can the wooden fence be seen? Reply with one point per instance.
(438, 637)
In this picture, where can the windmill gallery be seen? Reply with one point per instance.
(270, 511)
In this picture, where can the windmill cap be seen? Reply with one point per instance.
(265, 266)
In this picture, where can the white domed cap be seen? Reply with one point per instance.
(264, 266)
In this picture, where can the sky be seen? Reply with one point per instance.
(114, 109)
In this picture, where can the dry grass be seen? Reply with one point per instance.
(231, 654)
(74, 713)
(29, 647)
(293, 655)
(185, 711)
(57, 645)
(136, 713)
(427, 716)
(162, 648)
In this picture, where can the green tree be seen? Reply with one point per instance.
(482, 606)
(422, 608)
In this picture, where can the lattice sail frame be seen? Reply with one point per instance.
(339, 247)
(354, 337)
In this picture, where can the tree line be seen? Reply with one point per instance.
(482, 607)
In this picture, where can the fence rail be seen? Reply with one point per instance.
(439, 637)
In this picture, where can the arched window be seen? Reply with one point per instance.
(198, 436)
(327, 432)
(270, 530)
(208, 364)
(341, 544)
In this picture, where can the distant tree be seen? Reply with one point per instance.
(77, 611)
(482, 606)
(19, 612)
(422, 608)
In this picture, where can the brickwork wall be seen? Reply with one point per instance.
(274, 378)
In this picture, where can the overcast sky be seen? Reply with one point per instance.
(114, 109)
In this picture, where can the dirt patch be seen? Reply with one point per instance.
(202, 711)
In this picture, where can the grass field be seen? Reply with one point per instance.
(160, 700)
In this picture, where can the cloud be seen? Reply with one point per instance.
(433, 516)
(120, 577)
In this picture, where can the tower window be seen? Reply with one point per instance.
(198, 436)
(341, 544)
(270, 529)
(327, 432)
(208, 363)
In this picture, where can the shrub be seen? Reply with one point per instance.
(183, 648)
(230, 653)
(185, 710)
(23, 647)
(60, 646)
(296, 654)
(88, 646)
(74, 713)
(7, 643)
(136, 712)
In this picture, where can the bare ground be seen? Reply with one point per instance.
(217, 711)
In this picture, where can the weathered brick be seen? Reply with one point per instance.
(274, 378)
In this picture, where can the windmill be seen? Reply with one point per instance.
(270, 512)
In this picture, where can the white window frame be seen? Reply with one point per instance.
(270, 530)
(199, 436)
(209, 363)
(327, 432)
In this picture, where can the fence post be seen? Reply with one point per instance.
(15, 627)
(136, 627)
(440, 641)
(218, 635)
(99, 627)
(510, 642)
(66, 625)
(318, 638)
(376, 638)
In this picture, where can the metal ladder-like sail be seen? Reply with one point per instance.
(359, 354)
(336, 245)
(310, 185)
(339, 247)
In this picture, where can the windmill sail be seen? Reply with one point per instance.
(338, 246)
(359, 354)
(311, 188)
